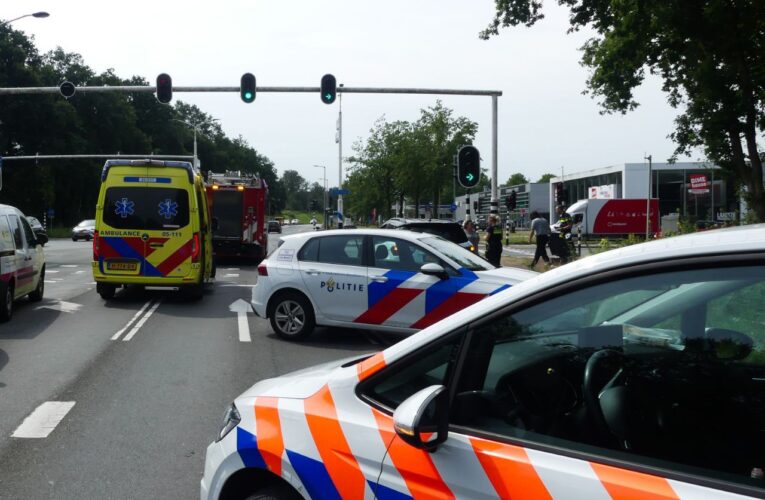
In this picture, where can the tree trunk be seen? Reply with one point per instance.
(755, 184)
(400, 204)
(436, 201)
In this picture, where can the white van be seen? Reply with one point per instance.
(22, 261)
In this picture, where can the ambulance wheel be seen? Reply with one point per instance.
(6, 301)
(105, 290)
(195, 291)
(275, 492)
(37, 294)
(292, 316)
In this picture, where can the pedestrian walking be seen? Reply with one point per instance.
(541, 228)
(494, 241)
(472, 235)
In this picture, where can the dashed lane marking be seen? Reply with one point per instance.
(231, 275)
(141, 321)
(68, 265)
(41, 422)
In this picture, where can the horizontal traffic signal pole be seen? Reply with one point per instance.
(97, 157)
(146, 89)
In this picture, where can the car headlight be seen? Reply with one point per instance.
(230, 420)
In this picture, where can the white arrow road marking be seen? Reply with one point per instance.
(68, 265)
(51, 271)
(135, 317)
(63, 306)
(241, 308)
(231, 275)
(43, 420)
(141, 321)
(79, 272)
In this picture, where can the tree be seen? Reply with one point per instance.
(710, 55)
(545, 178)
(516, 178)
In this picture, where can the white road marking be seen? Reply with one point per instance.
(68, 265)
(231, 275)
(51, 271)
(79, 272)
(135, 316)
(237, 284)
(141, 321)
(41, 422)
(241, 308)
(231, 269)
(63, 306)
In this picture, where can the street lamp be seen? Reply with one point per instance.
(39, 15)
(194, 127)
(325, 193)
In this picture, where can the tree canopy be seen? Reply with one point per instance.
(546, 178)
(102, 123)
(516, 178)
(710, 55)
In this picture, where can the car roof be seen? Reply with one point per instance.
(405, 222)
(10, 209)
(727, 241)
(399, 233)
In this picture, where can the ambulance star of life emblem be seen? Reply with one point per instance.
(124, 207)
(168, 209)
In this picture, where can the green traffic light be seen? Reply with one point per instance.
(328, 97)
(248, 95)
(470, 177)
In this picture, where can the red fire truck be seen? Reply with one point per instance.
(238, 204)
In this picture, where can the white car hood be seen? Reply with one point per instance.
(509, 275)
(300, 384)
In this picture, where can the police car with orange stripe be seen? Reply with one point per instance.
(378, 279)
(153, 227)
(635, 373)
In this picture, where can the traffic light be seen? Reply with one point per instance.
(328, 89)
(468, 166)
(475, 206)
(67, 89)
(314, 205)
(247, 88)
(511, 200)
(164, 88)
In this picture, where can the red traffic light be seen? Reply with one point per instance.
(164, 88)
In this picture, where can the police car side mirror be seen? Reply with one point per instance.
(433, 269)
(421, 420)
(41, 237)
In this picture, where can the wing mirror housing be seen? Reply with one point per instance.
(422, 419)
(433, 269)
(41, 237)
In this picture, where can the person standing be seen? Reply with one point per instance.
(494, 241)
(472, 235)
(541, 228)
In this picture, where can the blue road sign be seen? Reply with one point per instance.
(337, 191)
(51, 212)
(453, 207)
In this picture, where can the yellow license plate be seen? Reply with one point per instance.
(121, 266)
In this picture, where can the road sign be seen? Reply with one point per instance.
(453, 207)
(338, 191)
(51, 212)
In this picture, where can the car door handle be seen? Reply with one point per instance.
(379, 279)
(312, 272)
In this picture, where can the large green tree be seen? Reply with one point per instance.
(515, 179)
(710, 55)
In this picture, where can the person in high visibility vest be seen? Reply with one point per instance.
(494, 241)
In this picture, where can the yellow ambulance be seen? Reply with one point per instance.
(153, 228)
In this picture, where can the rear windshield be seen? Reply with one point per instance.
(146, 208)
(451, 232)
(227, 208)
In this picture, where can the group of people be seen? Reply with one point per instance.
(540, 228)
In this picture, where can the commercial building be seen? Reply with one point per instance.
(528, 198)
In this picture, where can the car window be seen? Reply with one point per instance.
(395, 253)
(28, 233)
(451, 232)
(464, 258)
(344, 250)
(6, 235)
(687, 398)
(310, 251)
(146, 208)
(16, 230)
(432, 365)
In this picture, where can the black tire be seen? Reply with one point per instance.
(105, 290)
(275, 492)
(74, 239)
(195, 291)
(6, 301)
(37, 294)
(214, 269)
(292, 316)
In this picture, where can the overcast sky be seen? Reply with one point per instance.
(545, 123)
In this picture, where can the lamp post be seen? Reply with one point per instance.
(326, 225)
(39, 15)
(648, 201)
(194, 127)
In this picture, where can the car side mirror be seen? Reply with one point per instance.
(41, 237)
(421, 420)
(433, 269)
(214, 223)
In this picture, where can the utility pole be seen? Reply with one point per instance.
(648, 201)
(340, 158)
(324, 205)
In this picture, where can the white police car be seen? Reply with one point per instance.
(22, 260)
(635, 373)
(377, 279)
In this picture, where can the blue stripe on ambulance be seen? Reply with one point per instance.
(314, 476)
(127, 251)
(377, 291)
(439, 292)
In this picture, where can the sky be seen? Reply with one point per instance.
(545, 124)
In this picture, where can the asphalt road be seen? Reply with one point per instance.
(137, 405)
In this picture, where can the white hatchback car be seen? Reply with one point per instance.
(635, 373)
(398, 281)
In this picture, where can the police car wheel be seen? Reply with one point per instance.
(292, 317)
(6, 302)
(275, 492)
(37, 294)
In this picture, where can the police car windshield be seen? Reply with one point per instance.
(464, 258)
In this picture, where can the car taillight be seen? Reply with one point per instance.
(195, 248)
(96, 246)
(262, 269)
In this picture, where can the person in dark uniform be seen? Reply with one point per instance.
(494, 241)
(541, 228)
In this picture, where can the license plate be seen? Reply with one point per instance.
(121, 266)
